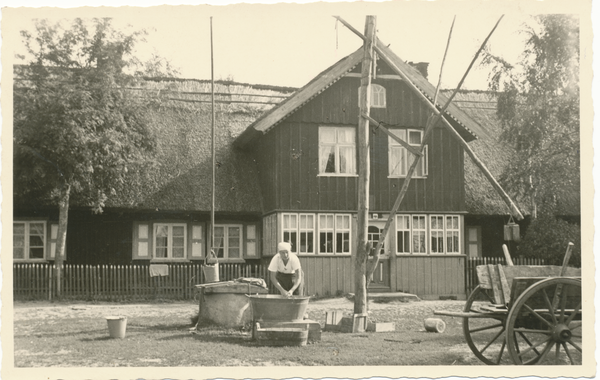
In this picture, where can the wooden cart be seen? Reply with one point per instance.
(524, 314)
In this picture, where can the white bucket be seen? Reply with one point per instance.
(117, 326)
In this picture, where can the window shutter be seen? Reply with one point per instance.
(196, 241)
(142, 241)
(52, 239)
(251, 242)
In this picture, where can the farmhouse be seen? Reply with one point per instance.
(286, 169)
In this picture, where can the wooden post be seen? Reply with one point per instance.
(360, 262)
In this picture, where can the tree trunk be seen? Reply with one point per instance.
(61, 239)
(360, 262)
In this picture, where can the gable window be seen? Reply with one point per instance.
(170, 241)
(337, 150)
(400, 159)
(29, 240)
(299, 231)
(413, 232)
(377, 96)
(228, 241)
(334, 233)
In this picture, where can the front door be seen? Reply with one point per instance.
(380, 280)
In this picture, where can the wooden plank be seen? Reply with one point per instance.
(504, 284)
(495, 281)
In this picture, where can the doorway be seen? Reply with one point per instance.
(380, 280)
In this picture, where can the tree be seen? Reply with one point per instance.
(77, 130)
(538, 107)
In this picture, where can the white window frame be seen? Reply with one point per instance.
(450, 230)
(169, 241)
(337, 146)
(27, 238)
(226, 248)
(378, 96)
(400, 170)
(437, 238)
(293, 228)
(404, 229)
(335, 229)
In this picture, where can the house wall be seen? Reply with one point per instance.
(287, 157)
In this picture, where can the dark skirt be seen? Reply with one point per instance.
(286, 280)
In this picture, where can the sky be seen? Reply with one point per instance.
(289, 44)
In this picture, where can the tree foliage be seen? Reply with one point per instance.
(547, 238)
(76, 126)
(538, 107)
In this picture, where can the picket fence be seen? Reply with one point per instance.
(471, 280)
(120, 282)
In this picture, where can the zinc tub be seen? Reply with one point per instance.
(275, 307)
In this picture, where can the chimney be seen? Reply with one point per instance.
(421, 66)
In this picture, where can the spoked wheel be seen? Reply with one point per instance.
(485, 336)
(544, 324)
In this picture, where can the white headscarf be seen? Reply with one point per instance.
(284, 246)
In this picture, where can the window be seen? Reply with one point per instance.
(337, 150)
(419, 234)
(377, 96)
(400, 159)
(403, 233)
(29, 240)
(299, 231)
(228, 241)
(373, 234)
(170, 241)
(334, 234)
(442, 232)
(452, 234)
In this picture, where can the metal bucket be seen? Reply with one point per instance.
(211, 273)
(117, 325)
(274, 307)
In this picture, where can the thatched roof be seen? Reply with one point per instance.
(480, 196)
(181, 117)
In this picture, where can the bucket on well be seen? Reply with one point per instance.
(117, 326)
(211, 272)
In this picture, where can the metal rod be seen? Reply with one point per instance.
(212, 206)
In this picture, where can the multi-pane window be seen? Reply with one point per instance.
(435, 234)
(29, 240)
(377, 96)
(334, 233)
(400, 159)
(452, 234)
(169, 241)
(228, 241)
(337, 150)
(419, 234)
(299, 231)
(403, 233)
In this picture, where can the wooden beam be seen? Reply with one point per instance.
(364, 164)
(379, 125)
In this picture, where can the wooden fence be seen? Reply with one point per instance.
(120, 282)
(471, 281)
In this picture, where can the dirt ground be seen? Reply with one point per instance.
(382, 312)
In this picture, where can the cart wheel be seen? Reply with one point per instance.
(485, 336)
(544, 324)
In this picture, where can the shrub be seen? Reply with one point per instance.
(547, 238)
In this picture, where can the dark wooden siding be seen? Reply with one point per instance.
(288, 157)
